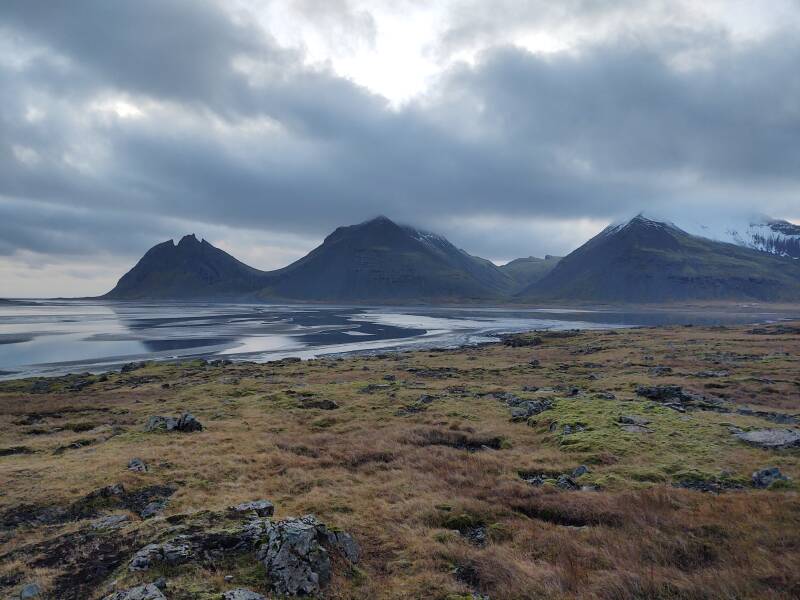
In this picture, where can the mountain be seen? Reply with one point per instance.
(774, 236)
(189, 269)
(644, 260)
(525, 271)
(379, 260)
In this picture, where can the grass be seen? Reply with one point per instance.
(407, 485)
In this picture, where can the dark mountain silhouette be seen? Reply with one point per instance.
(650, 261)
(382, 261)
(189, 269)
(377, 260)
(525, 271)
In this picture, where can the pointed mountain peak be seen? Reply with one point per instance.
(380, 220)
(188, 240)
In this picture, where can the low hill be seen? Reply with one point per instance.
(525, 271)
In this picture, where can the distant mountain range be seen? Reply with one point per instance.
(640, 260)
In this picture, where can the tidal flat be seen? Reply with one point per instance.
(650, 462)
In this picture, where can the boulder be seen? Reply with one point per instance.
(771, 438)
(174, 552)
(322, 404)
(153, 508)
(763, 478)
(242, 594)
(263, 508)
(185, 423)
(148, 591)
(581, 470)
(30, 591)
(521, 410)
(633, 420)
(137, 465)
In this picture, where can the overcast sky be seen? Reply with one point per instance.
(513, 127)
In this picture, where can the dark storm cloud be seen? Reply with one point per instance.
(237, 131)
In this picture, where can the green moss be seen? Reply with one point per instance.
(461, 521)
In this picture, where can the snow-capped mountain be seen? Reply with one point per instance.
(759, 233)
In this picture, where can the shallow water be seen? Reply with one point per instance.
(54, 337)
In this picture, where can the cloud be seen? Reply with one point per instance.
(121, 123)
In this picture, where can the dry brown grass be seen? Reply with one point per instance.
(396, 481)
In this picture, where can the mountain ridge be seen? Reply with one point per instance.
(638, 260)
(643, 260)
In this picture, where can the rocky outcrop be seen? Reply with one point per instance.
(676, 398)
(295, 555)
(148, 591)
(775, 439)
(296, 552)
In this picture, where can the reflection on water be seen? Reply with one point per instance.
(50, 337)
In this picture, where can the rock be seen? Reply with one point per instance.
(581, 470)
(766, 477)
(660, 371)
(137, 465)
(110, 522)
(172, 553)
(565, 482)
(148, 591)
(263, 508)
(771, 438)
(521, 410)
(151, 509)
(40, 386)
(185, 423)
(346, 544)
(535, 363)
(323, 404)
(635, 429)
(775, 417)
(661, 393)
(633, 420)
(389, 378)
(710, 374)
(159, 423)
(520, 341)
(29, 591)
(295, 558)
(242, 594)
(132, 366)
(605, 396)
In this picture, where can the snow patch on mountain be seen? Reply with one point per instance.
(759, 233)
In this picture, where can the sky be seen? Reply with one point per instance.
(512, 127)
